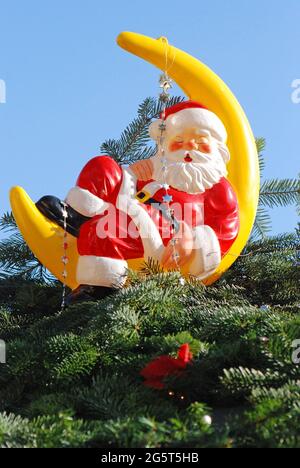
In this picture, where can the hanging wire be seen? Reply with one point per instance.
(64, 257)
(164, 97)
(167, 49)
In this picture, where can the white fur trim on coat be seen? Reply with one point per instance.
(101, 271)
(85, 202)
(148, 231)
(207, 256)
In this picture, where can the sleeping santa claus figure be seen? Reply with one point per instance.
(177, 208)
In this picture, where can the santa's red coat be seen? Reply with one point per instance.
(102, 177)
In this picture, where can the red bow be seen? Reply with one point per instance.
(165, 366)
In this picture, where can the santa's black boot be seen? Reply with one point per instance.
(53, 207)
(87, 293)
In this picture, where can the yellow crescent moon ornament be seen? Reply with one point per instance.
(199, 83)
(44, 237)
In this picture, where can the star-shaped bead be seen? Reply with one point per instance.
(167, 198)
(166, 186)
(165, 81)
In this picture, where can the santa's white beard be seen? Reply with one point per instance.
(191, 177)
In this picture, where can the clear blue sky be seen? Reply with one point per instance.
(69, 86)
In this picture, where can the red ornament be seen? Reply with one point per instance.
(165, 366)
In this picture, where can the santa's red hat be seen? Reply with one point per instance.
(189, 114)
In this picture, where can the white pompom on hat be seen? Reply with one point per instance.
(189, 114)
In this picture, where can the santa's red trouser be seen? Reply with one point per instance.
(104, 245)
(104, 249)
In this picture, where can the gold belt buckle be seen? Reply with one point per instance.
(143, 196)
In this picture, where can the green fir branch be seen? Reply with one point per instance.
(16, 259)
(283, 192)
(132, 145)
(261, 146)
(7, 222)
(262, 224)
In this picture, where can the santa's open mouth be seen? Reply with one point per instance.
(188, 158)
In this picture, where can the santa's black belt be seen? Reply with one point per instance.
(166, 212)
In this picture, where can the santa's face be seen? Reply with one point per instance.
(194, 161)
